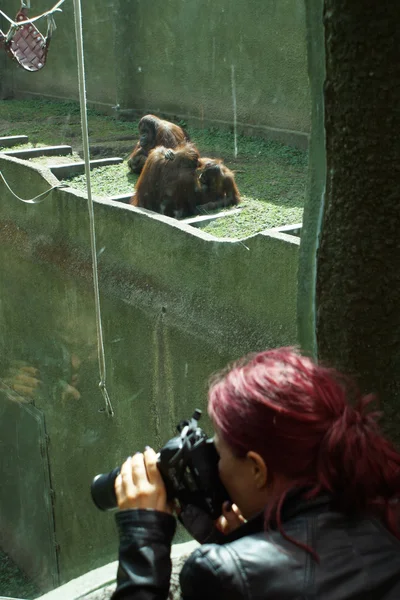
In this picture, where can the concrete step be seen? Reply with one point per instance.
(77, 168)
(35, 152)
(125, 198)
(203, 220)
(13, 140)
(294, 229)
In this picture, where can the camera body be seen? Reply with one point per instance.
(188, 464)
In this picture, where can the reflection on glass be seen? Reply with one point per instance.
(217, 96)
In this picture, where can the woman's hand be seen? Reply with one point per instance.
(231, 518)
(21, 382)
(140, 485)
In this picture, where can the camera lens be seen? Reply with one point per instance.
(102, 490)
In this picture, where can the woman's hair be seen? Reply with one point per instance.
(311, 426)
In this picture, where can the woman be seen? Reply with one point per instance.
(315, 488)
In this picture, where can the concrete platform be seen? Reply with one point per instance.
(294, 229)
(35, 152)
(203, 220)
(77, 168)
(125, 198)
(99, 584)
(13, 140)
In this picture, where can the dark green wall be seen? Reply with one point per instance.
(183, 63)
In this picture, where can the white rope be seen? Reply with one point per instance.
(25, 21)
(37, 199)
(85, 141)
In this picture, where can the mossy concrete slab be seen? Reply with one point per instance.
(42, 151)
(13, 140)
(75, 168)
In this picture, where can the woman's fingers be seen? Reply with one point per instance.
(126, 485)
(139, 473)
(150, 459)
(231, 518)
(233, 515)
(156, 481)
(140, 484)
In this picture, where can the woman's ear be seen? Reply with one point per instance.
(259, 469)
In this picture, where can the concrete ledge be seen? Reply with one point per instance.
(45, 151)
(203, 220)
(125, 198)
(197, 221)
(70, 169)
(294, 229)
(13, 140)
(105, 576)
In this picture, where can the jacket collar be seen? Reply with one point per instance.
(295, 504)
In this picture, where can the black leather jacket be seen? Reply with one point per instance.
(358, 558)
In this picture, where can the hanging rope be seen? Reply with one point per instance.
(48, 12)
(37, 199)
(85, 141)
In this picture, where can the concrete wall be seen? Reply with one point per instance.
(177, 305)
(175, 57)
(315, 197)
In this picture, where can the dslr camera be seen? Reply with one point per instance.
(188, 464)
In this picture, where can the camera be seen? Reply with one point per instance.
(188, 464)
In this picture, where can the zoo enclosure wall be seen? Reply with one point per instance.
(175, 58)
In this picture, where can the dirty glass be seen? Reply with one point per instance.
(196, 276)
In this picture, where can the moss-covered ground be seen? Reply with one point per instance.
(271, 176)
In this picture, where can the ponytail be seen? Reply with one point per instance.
(360, 466)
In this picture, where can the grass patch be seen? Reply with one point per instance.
(55, 123)
(271, 176)
(254, 217)
(56, 160)
(106, 181)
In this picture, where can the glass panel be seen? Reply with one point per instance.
(183, 289)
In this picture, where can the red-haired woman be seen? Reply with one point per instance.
(315, 488)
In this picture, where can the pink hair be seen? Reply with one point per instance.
(310, 424)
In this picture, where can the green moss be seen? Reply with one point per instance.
(53, 123)
(255, 216)
(56, 159)
(107, 181)
(271, 176)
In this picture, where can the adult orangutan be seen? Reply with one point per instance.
(154, 132)
(218, 186)
(169, 182)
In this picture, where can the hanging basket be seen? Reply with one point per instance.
(27, 45)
